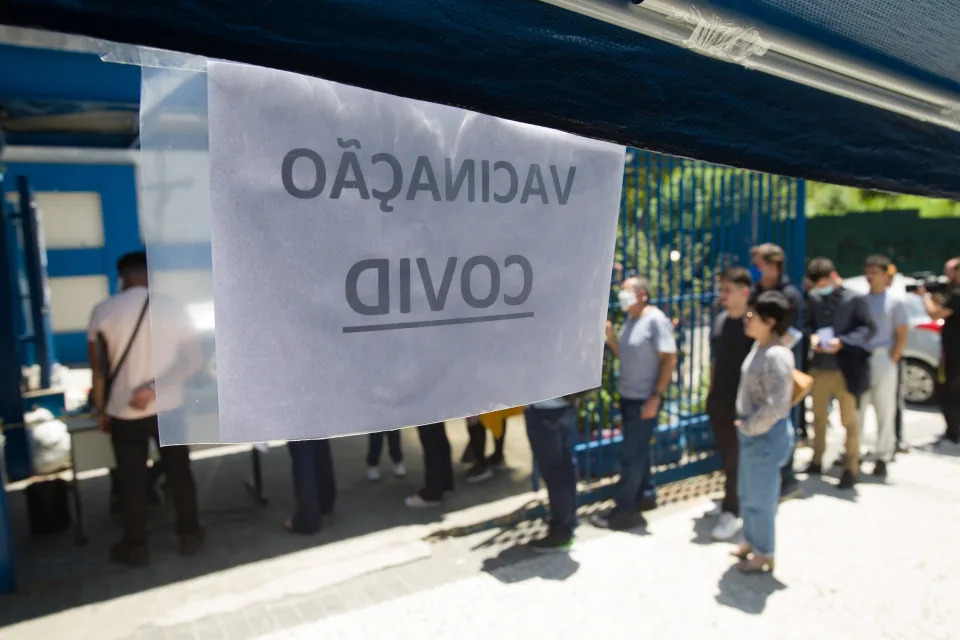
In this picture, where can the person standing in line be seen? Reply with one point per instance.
(475, 454)
(647, 349)
(552, 431)
(375, 450)
(314, 485)
(889, 313)
(769, 264)
(902, 446)
(480, 470)
(729, 346)
(947, 308)
(437, 467)
(840, 325)
(120, 342)
(763, 424)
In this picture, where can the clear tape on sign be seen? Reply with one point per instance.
(140, 56)
(175, 222)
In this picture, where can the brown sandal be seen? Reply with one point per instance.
(742, 552)
(757, 564)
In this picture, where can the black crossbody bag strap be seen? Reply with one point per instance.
(108, 384)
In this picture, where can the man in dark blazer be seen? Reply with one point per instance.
(839, 324)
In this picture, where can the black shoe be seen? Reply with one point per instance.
(790, 492)
(478, 473)
(880, 469)
(552, 543)
(813, 469)
(191, 543)
(847, 480)
(131, 555)
(620, 521)
(647, 504)
(496, 461)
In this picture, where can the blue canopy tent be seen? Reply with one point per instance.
(865, 93)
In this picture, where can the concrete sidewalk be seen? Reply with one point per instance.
(879, 562)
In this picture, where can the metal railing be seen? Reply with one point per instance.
(681, 223)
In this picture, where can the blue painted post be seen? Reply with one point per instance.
(36, 259)
(800, 231)
(11, 408)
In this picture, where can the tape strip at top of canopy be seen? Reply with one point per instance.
(718, 35)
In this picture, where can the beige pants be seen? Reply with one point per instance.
(826, 386)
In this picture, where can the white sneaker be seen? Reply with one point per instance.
(416, 502)
(373, 473)
(713, 512)
(399, 470)
(727, 526)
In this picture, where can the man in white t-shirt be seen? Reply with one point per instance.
(121, 338)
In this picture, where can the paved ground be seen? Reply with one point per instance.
(877, 563)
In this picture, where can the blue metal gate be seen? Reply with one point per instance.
(681, 223)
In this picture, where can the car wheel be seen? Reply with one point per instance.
(919, 382)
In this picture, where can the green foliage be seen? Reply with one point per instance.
(831, 199)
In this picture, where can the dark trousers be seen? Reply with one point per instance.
(478, 445)
(552, 433)
(131, 439)
(375, 447)
(437, 461)
(898, 424)
(950, 398)
(314, 487)
(722, 416)
(636, 478)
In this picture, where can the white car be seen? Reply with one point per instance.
(921, 356)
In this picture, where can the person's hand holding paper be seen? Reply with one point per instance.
(825, 341)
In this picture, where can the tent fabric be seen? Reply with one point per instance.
(530, 61)
(920, 38)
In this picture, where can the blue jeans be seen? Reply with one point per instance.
(552, 433)
(758, 483)
(788, 480)
(636, 481)
(314, 487)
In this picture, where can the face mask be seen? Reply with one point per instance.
(627, 299)
(824, 291)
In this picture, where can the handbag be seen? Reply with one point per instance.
(802, 385)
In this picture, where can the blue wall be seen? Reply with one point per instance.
(116, 185)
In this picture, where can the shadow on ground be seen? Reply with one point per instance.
(53, 573)
(747, 592)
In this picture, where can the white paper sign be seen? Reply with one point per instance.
(380, 261)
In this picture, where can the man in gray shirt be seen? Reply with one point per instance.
(889, 314)
(647, 350)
